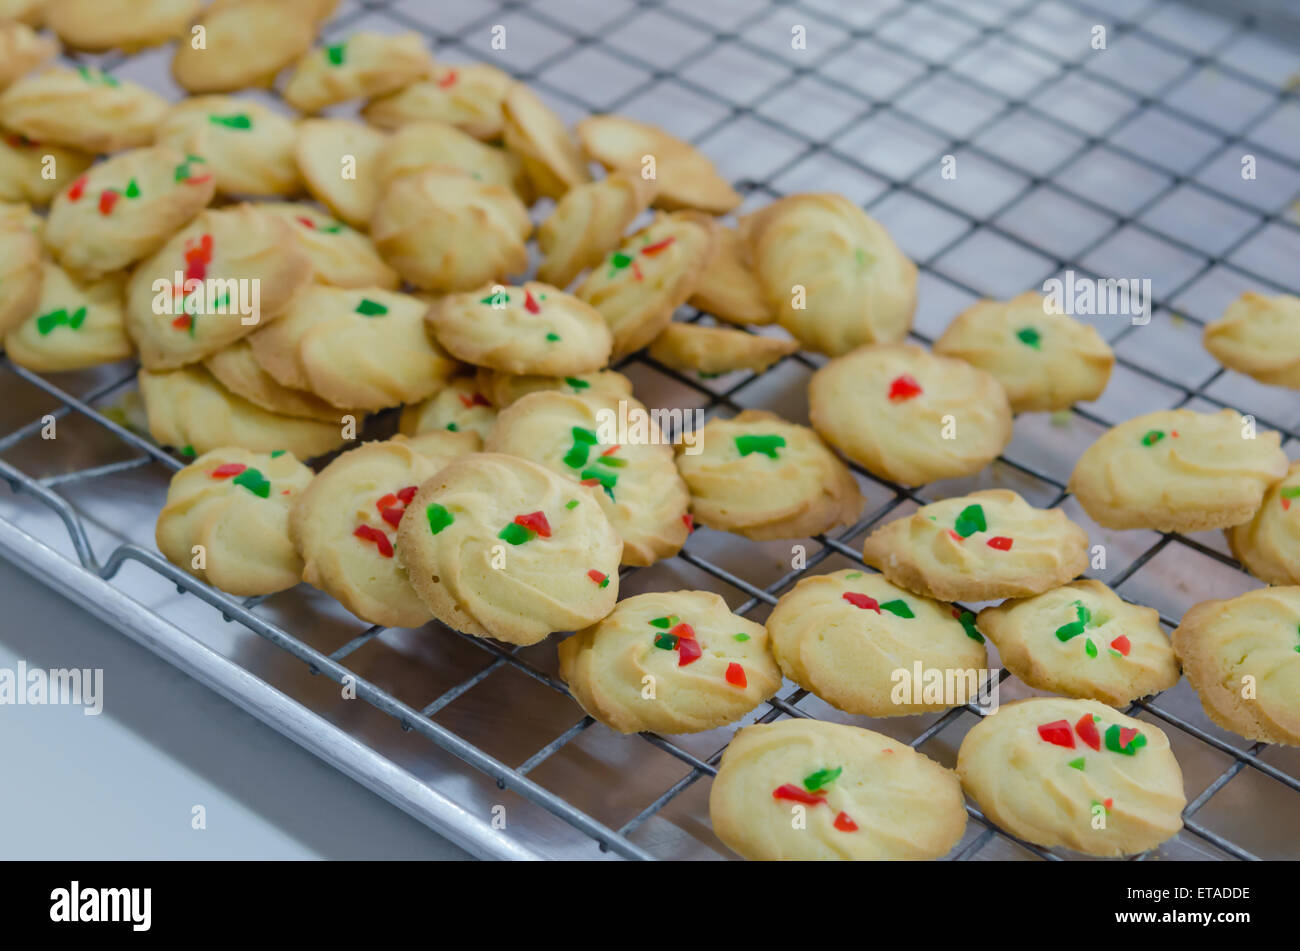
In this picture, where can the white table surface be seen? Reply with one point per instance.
(122, 785)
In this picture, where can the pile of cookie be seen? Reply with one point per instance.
(281, 278)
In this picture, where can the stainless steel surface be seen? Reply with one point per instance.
(1117, 162)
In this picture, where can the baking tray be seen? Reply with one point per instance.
(1123, 161)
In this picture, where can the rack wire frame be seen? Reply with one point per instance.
(985, 27)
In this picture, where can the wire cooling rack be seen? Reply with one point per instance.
(1123, 161)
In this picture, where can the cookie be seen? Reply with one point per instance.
(98, 25)
(363, 348)
(684, 178)
(534, 329)
(762, 477)
(833, 275)
(22, 50)
(1257, 336)
(28, 12)
(496, 548)
(419, 145)
(338, 161)
(122, 210)
(346, 523)
(466, 95)
(235, 368)
(459, 407)
(846, 635)
(340, 256)
(220, 278)
(248, 147)
(639, 286)
(1178, 471)
(446, 232)
(669, 662)
(1243, 657)
(1074, 773)
(537, 135)
(1268, 546)
(245, 43)
(19, 215)
(636, 484)
(363, 65)
(502, 389)
(24, 164)
(83, 108)
(979, 547)
(226, 520)
(20, 275)
(588, 223)
(728, 288)
(1083, 640)
(884, 800)
(909, 416)
(191, 411)
(1044, 361)
(75, 325)
(716, 350)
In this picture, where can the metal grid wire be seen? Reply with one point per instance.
(880, 24)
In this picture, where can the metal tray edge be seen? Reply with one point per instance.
(258, 698)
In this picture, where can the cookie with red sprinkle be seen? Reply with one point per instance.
(125, 208)
(226, 520)
(1074, 774)
(638, 287)
(249, 147)
(804, 789)
(979, 547)
(494, 548)
(1178, 471)
(460, 406)
(345, 525)
(635, 483)
(467, 95)
(1083, 640)
(533, 328)
(843, 636)
(705, 666)
(909, 416)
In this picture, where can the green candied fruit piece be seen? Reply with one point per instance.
(822, 778)
(970, 521)
(767, 445)
(439, 518)
(255, 482)
(1067, 631)
(516, 534)
(1030, 337)
(897, 607)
